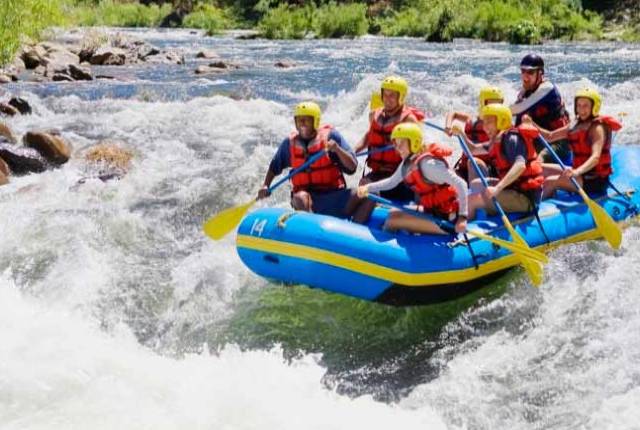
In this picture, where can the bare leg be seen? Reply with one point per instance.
(359, 209)
(403, 221)
(553, 183)
(301, 201)
(549, 169)
(475, 202)
(472, 172)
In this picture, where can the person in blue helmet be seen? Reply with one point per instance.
(540, 100)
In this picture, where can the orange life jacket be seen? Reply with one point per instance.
(581, 145)
(532, 178)
(379, 135)
(322, 175)
(440, 199)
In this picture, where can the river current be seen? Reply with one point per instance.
(117, 312)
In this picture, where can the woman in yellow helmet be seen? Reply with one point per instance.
(590, 143)
(426, 172)
(474, 135)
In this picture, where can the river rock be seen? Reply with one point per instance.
(4, 172)
(223, 65)
(61, 77)
(6, 134)
(8, 110)
(33, 56)
(5, 79)
(207, 54)
(285, 64)
(52, 147)
(80, 73)
(167, 57)
(61, 58)
(22, 160)
(21, 104)
(40, 70)
(108, 56)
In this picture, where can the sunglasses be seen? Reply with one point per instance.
(528, 71)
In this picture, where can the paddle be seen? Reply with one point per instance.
(226, 220)
(448, 227)
(532, 267)
(606, 225)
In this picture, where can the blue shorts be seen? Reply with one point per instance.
(331, 203)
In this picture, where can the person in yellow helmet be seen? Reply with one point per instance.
(322, 187)
(387, 112)
(425, 171)
(518, 182)
(473, 134)
(590, 141)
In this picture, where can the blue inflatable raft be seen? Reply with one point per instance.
(404, 269)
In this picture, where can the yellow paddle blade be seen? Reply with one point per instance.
(513, 247)
(532, 267)
(606, 225)
(222, 223)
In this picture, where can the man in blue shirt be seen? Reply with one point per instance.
(321, 188)
(541, 101)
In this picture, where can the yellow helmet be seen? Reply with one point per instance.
(501, 112)
(411, 131)
(398, 84)
(594, 96)
(490, 93)
(309, 109)
(376, 101)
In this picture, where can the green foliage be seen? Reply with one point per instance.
(115, 14)
(519, 21)
(20, 19)
(333, 20)
(407, 22)
(525, 33)
(286, 22)
(209, 18)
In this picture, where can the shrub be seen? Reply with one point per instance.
(334, 20)
(114, 14)
(209, 18)
(285, 22)
(524, 32)
(26, 18)
(407, 22)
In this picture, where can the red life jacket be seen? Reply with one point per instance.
(581, 145)
(440, 199)
(379, 135)
(475, 132)
(324, 174)
(531, 178)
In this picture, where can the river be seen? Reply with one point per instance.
(117, 312)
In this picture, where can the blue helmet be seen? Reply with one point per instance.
(532, 62)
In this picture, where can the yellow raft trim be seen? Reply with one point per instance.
(372, 269)
(408, 279)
